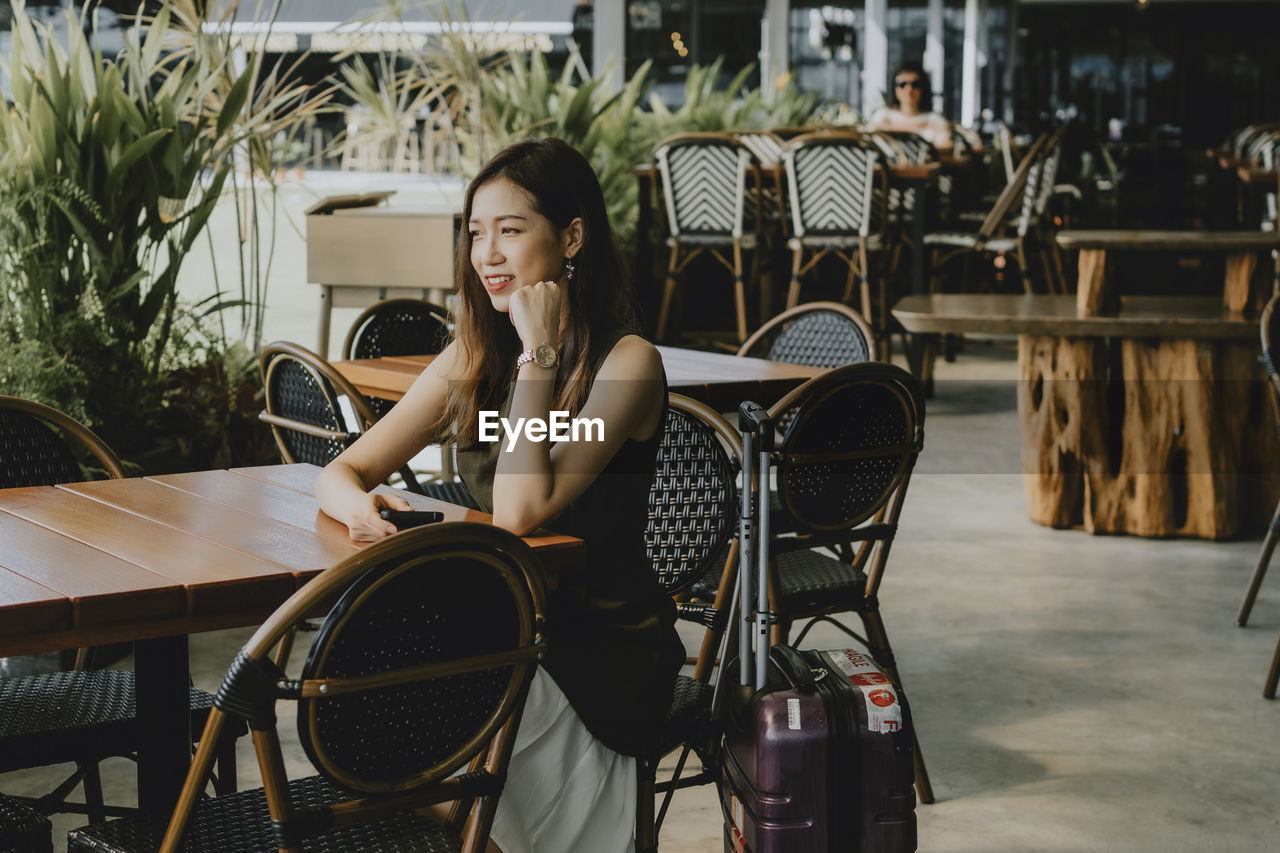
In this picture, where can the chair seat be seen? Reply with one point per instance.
(240, 822)
(451, 492)
(690, 713)
(55, 717)
(825, 241)
(811, 582)
(23, 829)
(712, 240)
(968, 240)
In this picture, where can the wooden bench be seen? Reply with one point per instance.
(1154, 421)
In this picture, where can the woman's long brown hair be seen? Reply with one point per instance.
(562, 187)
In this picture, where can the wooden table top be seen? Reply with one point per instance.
(720, 380)
(1139, 317)
(1228, 241)
(115, 560)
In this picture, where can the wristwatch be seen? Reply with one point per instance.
(544, 355)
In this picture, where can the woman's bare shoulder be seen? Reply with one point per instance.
(632, 357)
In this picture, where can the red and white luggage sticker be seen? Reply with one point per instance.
(884, 712)
(737, 819)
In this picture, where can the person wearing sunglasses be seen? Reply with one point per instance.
(910, 107)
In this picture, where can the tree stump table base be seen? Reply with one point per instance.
(1151, 437)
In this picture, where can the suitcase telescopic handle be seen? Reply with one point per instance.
(754, 418)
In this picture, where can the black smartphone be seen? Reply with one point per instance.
(405, 518)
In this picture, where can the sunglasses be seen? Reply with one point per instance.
(903, 84)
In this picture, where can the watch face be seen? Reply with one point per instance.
(545, 355)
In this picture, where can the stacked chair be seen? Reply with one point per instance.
(82, 715)
(410, 696)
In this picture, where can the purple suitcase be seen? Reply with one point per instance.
(818, 749)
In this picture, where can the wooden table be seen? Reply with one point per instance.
(720, 380)
(1155, 421)
(1096, 294)
(151, 560)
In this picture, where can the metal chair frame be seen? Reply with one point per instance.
(352, 790)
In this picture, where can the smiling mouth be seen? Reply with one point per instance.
(497, 283)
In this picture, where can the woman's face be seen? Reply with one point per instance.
(512, 245)
(909, 88)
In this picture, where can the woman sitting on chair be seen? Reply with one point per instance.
(544, 326)
(910, 108)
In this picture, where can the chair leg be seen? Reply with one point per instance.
(92, 783)
(793, 292)
(1260, 570)
(646, 834)
(667, 293)
(225, 780)
(739, 293)
(1273, 674)
(883, 653)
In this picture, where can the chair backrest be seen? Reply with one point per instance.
(693, 501)
(847, 452)
(1041, 178)
(915, 149)
(833, 183)
(765, 145)
(397, 327)
(36, 446)
(303, 409)
(818, 334)
(703, 178)
(420, 670)
(1014, 190)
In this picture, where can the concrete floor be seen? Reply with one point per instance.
(1071, 692)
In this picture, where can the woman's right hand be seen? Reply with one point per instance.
(366, 525)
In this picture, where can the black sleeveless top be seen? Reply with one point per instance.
(612, 644)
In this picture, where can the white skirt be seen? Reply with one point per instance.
(566, 792)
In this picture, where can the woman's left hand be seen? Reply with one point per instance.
(535, 313)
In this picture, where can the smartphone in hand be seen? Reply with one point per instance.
(406, 518)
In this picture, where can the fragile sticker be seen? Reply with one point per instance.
(884, 711)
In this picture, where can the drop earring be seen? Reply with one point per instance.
(569, 269)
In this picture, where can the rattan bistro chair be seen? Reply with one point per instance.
(817, 334)
(712, 205)
(419, 671)
(407, 327)
(81, 715)
(303, 410)
(692, 512)
(23, 829)
(1270, 324)
(837, 192)
(844, 461)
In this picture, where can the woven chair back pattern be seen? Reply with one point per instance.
(914, 147)
(766, 146)
(33, 454)
(832, 188)
(403, 328)
(704, 187)
(820, 339)
(850, 445)
(1268, 158)
(451, 607)
(297, 392)
(691, 503)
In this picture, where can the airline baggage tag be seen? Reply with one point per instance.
(884, 712)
